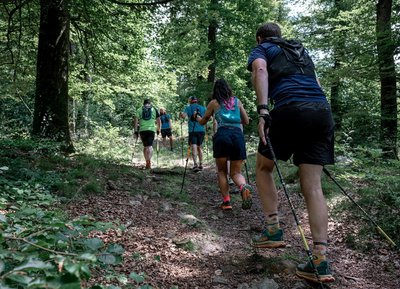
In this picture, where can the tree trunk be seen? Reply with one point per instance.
(212, 44)
(387, 74)
(336, 103)
(338, 48)
(51, 100)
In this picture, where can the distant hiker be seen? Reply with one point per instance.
(300, 125)
(147, 118)
(228, 141)
(196, 131)
(166, 128)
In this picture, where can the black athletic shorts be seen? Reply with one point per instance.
(166, 132)
(147, 137)
(196, 138)
(229, 142)
(304, 130)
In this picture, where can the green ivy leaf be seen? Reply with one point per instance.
(76, 285)
(19, 278)
(115, 249)
(33, 264)
(2, 266)
(108, 258)
(139, 278)
(88, 257)
(122, 279)
(94, 243)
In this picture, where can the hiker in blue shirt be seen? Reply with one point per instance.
(228, 141)
(196, 131)
(166, 127)
(299, 125)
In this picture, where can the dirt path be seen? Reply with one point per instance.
(196, 245)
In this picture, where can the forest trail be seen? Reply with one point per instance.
(193, 244)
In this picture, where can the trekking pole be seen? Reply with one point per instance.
(158, 147)
(300, 229)
(187, 158)
(361, 209)
(182, 141)
(247, 172)
(184, 172)
(206, 139)
(134, 146)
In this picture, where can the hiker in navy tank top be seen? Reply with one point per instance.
(228, 142)
(299, 125)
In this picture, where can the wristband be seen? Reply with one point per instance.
(261, 106)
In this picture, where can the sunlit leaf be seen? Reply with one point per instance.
(88, 257)
(33, 264)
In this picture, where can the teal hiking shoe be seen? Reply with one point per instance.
(226, 206)
(265, 240)
(307, 272)
(246, 193)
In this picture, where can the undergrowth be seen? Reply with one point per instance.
(40, 246)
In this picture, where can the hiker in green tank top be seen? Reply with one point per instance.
(147, 123)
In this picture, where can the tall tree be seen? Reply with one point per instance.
(51, 99)
(212, 41)
(387, 75)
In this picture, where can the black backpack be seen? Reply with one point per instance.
(294, 59)
(146, 112)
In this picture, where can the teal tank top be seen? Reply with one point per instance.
(229, 118)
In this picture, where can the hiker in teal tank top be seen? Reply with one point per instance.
(228, 142)
(147, 123)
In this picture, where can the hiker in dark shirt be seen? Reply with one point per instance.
(299, 125)
(228, 141)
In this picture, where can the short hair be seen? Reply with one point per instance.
(146, 101)
(193, 99)
(268, 29)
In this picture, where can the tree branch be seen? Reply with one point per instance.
(41, 247)
(140, 4)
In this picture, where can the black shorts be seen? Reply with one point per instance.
(147, 137)
(196, 138)
(166, 132)
(304, 130)
(228, 142)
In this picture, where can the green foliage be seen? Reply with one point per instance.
(107, 143)
(39, 247)
(374, 184)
